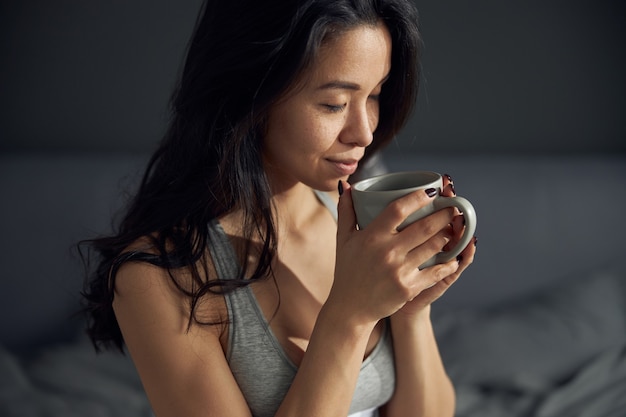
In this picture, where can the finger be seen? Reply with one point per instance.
(419, 232)
(398, 210)
(448, 191)
(437, 279)
(451, 270)
(446, 282)
(431, 247)
(458, 227)
(464, 260)
(466, 257)
(448, 186)
(346, 219)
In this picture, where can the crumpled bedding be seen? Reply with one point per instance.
(558, 353)
(598, 389)
(555, 354)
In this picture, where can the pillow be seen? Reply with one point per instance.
(538, 341)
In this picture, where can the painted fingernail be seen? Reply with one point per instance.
(448, 177)
(340, 188)
(459, 258)
(452, 188)
(475, 241)
(431, 192)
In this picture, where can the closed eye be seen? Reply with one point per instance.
(334, 108)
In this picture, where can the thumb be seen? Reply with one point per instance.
(346, 219)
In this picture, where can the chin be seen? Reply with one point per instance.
(321, 183)
(330, 185)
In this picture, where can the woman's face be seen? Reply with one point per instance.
(317, 134)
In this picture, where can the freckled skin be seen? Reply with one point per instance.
(317, 134)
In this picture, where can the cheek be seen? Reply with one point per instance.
(302, 133)
(285, 137)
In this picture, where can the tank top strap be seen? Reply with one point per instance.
(222, 252)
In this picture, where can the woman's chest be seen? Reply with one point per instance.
(292, 300)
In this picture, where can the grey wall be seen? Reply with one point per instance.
(89, 74)
(500, 76)
(531, 76)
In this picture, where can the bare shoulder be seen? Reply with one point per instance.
(183, 368)
(143, 281)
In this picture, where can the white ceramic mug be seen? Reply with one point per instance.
(372, 195)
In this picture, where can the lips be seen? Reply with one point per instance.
(344, 166)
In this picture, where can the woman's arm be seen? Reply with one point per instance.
(422, 384)
(184, 373)
(326, 379)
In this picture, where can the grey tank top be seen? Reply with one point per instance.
(258, 362)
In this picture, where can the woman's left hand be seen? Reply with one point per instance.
(424, 299)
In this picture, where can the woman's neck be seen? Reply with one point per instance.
(295, 207)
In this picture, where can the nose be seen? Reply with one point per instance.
(359, 127)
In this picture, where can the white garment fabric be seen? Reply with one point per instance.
(372, 412)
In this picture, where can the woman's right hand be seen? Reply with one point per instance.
(376, 269)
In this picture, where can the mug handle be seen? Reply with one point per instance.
(470, 228)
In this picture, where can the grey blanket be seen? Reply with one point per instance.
(597, 390)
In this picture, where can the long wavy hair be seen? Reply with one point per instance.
(244, 55)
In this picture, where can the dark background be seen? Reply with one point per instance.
(500, 77)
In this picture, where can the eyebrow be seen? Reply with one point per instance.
(340, 85)
(346, 85)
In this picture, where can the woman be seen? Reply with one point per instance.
(231, 282)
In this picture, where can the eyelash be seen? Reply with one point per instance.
(333, 108)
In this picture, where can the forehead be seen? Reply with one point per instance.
(358, 55)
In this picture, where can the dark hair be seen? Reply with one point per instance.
(243, 56)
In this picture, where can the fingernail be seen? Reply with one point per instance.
(431, 192)
(340, 188)
(475, 241)
(452, 188)
(463, 217)
(459, 258)
(448, 177)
